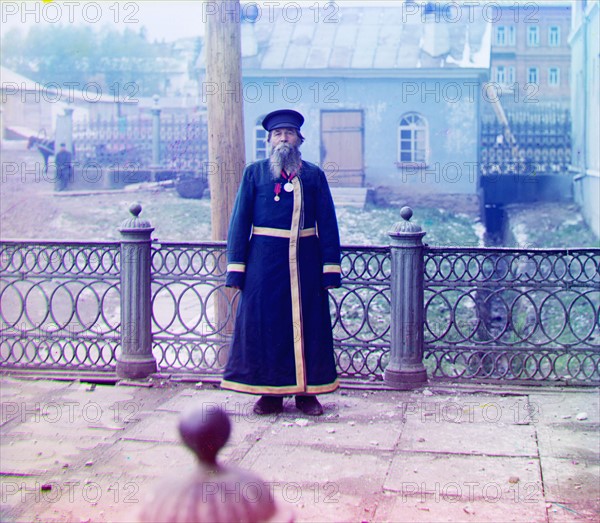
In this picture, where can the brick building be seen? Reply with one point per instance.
(531, 57)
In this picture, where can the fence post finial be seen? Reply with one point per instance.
(214, 492)
(405, 369)
(136, 359)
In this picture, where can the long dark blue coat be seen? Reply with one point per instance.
(282, 254)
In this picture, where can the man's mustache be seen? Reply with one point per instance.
(283, 146)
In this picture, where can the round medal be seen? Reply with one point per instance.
(288, 187)
(276, 198)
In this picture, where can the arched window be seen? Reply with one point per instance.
(413, 140)
(260, 140)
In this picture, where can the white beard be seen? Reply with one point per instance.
(284, 157)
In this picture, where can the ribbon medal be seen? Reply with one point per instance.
(288, 186)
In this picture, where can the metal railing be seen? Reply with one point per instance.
(513, 314)
(404, 312)
(59, 304)
(129, 143)
(188, 282)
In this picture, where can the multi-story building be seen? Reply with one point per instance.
(531, 58)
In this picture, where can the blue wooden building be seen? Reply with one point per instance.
(391, 92)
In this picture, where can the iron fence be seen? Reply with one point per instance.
(504, 314)
(127, 142)
(190, 336)
(489, 314)
(188, 284)
(59, 305)
(360, 310)
(543, 139)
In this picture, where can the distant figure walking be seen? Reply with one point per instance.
(63, 168)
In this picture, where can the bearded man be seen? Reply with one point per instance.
(283, 253)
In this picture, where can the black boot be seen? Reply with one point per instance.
(268, 405)
(309, 405)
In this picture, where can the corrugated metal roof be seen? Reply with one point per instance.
(354, 37)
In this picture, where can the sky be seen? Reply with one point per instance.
(163, 19)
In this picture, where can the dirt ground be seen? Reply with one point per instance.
(25, 193)
(30, 209)
(549, 225)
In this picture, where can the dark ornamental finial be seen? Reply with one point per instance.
(205, 495)
(405, 226)
(205, 433)
(135, 209)
(135, 224)
(406, 213)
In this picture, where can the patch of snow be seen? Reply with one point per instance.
(520, 234)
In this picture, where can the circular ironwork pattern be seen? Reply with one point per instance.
(487, 309)
(188, 289)
(515, 266)
(187, 355)
(60, 258)
(205, 261)
(457, 363)
(366, 264)
(361, 361)
(360, 311)
(192, 312)
(60, 305)
(490, 314)
(55, 354)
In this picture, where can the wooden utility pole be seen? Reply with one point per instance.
(226, 146)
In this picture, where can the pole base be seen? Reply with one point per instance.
(408, 379)
(136, 368)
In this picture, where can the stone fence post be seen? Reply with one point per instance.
(405, 369)
(136, 359)
(64, 130)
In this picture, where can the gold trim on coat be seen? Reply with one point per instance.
(297, 324)
(282, 233)
(285, 389)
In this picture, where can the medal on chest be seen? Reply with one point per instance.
(287, 187)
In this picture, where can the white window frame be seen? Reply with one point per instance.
(416, 125)
(260, 137)
(511, 35)
(554, 41)
(500, 36)
(510, 75)
(504, 35)
(533, 36)
(556, 83)
(533, 71)
(500, 74)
